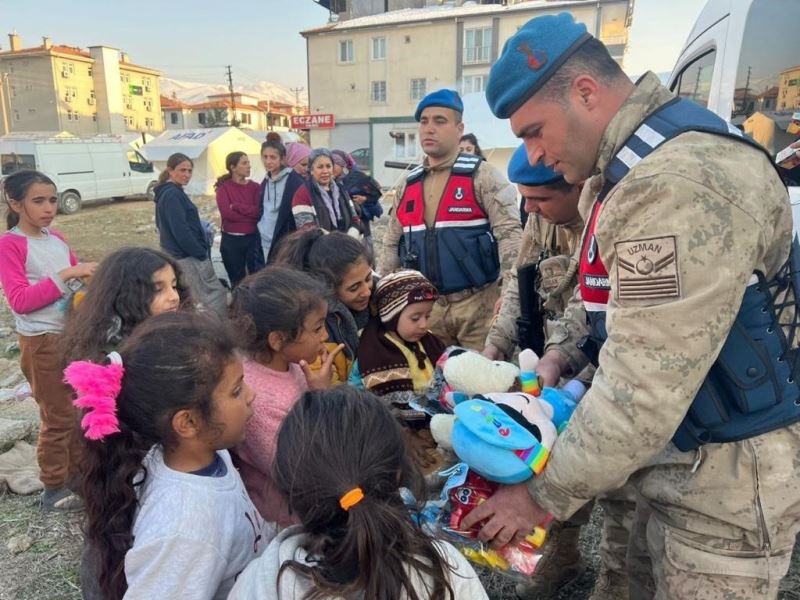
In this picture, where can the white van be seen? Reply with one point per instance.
(83, 169)
(742, 61)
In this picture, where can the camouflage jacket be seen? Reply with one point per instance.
(557, 246)
(719, 205)
(494, 194)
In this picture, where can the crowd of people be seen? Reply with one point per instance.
(253, 442)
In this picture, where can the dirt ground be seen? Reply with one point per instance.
(47, 569)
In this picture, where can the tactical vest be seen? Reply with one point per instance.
(751, 388)
(459, 251)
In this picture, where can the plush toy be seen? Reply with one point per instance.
(470, 373)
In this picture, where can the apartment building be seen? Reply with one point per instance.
(371, 71)
(248, 111)
(85, 92)
(788, 96)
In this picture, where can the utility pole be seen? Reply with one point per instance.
(746, 90)
(3, 80)
(234, 122)
(297, 91)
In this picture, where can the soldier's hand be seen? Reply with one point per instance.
(510, 515)
(550, 368)
(493, 352)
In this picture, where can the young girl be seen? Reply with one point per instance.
(129, 286)
(277, 191)
(322, 202)
(340, 465)
(239, 203)
(281, 313)
(397, 353)
(343, 264)
(39, 274)
(167, 515)
(183, 236)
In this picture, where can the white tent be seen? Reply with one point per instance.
(208, 149)
(494, 135)
(136, 140)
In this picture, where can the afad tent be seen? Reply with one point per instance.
(208, 149)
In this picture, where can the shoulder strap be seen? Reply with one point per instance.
(415, 174)
(466, 164)
(668, 121)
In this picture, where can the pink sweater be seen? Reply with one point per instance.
(29, 275)
(276, 393)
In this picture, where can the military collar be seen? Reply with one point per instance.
(648, 96)
(445, 166)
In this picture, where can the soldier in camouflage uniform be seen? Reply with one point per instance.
(552, 237)
(484, 223)
(684, 235)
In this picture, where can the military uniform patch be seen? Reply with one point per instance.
(647, 269)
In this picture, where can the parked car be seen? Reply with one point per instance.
(363, 159)
(741, 61)
(83, 169)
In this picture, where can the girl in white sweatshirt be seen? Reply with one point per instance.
(340, 463)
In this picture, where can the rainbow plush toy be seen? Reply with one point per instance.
(529, 380)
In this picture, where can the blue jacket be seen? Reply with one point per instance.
(180, 231)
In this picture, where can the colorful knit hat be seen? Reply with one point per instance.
(397, 290)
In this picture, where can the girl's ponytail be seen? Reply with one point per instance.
(231, 161)
(330, 444)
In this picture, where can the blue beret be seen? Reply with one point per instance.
(444, 98)
(521, 171)
(529, 59)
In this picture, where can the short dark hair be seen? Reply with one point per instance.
(592, 58)
(274, 299)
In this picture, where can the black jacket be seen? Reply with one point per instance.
(180, 232)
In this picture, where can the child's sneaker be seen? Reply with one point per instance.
(62, 500)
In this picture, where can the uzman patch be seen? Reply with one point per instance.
(647, 270)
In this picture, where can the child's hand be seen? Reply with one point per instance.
(321, 380)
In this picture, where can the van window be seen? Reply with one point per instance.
(138, 162)
(768, 74)
(16, 162)
(694, 82)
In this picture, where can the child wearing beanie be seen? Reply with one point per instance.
(397, 355)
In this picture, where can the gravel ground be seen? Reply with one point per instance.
(47, 568)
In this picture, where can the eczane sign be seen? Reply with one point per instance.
(318, 121)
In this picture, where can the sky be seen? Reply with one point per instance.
(194, 40)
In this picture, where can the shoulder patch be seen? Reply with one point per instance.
(647, 270)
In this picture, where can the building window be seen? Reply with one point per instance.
(70, 94)
(405, 144)
(477, 45)
(346, 51)
(378, 95)
(148, 105)
(173, 118)
(472, 84)
(91, 72)
(379, 48)
(148, 122)
(94, 117)
(127, 101)
(201, 118)
(146, 84)
(419, 88)
(247, 118)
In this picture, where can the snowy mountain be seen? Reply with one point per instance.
(193, 93)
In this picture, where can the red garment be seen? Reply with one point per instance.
(239, 206)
